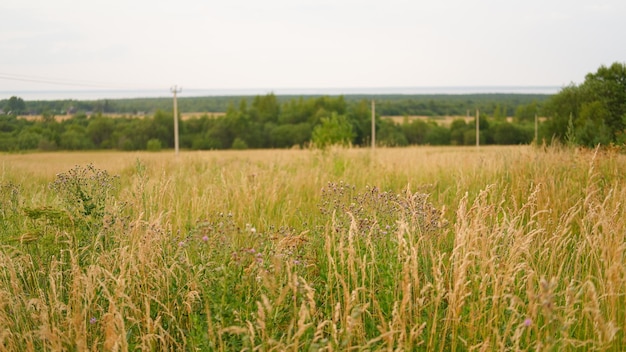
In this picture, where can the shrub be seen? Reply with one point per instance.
(154, 145)
(239, 144)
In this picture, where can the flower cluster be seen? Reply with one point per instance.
(377, 212)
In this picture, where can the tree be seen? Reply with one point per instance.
(526, 112)
(597, 108)
(390, 135)
(334, 130)
(100, 130)
(15, 106)
(508, 133)
(458, 127)
(75, 138)
(438, 135)
(265, 108)
(415, 131)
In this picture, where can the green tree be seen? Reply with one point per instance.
(415, 131)
(100, 129)
(458, 127)
(28, 140)
(527, 112)
(75, 138)
(597, 108)
(360, 117)
(153, 145)
(391, 135)
(508, 133)
(438, 135)
(15, 106)
(265, 108)
(289, 135)
(499, 113)
(239, 144)
(333, 130)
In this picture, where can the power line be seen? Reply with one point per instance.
(57, 81)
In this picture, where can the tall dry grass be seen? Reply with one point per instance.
(502, 248)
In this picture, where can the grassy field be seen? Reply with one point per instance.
(434, 249)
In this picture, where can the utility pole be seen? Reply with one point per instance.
(373, 125)
(176, 90)
(477, 128)
(536, 128)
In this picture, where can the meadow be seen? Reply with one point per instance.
(406, 249)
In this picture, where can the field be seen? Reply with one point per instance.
(434, 249)
(440, 120)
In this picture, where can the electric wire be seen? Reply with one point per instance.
(58, 81)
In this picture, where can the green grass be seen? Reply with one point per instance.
(501, 248)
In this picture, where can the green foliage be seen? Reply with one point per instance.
(100, 130)
(15, 106)
(333, 130)
(458, 128)
(84, 190)
(391, 135)
(438, 135)
(154, 145)
(596, 108)
(10, 204)
(239, 144)
(268, 121)
(288, 135)
(527, 112)
(28, 140)
(506, 133)
(415, 131)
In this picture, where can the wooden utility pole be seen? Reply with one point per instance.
(536, 128)
(373, 125)
(176, 90)
(477, 128)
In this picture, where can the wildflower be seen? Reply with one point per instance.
(205, 238)
(181, 243)
(528, 322)
(93, 320)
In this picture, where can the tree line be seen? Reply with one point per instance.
(387, 105)
(591, 113)
(260, 122)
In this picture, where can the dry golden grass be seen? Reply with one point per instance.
(292, 250)
(440, 120)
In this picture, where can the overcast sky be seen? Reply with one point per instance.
(237, 44)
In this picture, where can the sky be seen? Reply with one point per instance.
(274, 44)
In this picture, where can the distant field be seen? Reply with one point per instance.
(441, 120)
(423, 248)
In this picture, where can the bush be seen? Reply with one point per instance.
(154, 145)
(239, 144)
